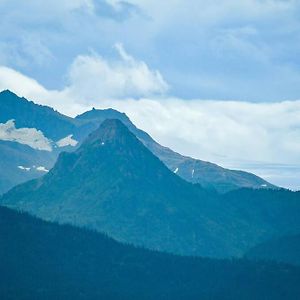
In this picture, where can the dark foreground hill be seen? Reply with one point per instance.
(114, 184)
(40, 260)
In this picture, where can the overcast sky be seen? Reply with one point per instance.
(218, 80)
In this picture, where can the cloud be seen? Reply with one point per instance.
(34, 35)
(259, 137)
(27, 136)
(31, 89)
(215, 11)
(67, 141)
(21, 84)
(222, 130)
(204, 49)
(226, 49)
(240, 135)
(263, 138)
(93, 77)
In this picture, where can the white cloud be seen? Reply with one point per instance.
(21, 84)
(27, 136)
(213, 11)
(31, 89)
(201, 48)
(67, 141)
(90, 78)
(259, 137)
(221, 130)
(93, 77)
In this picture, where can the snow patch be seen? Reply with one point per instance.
(67, 141)
(193, 171)
(264, 185)
(176, 170)
(27, 136)
(42, 169)
(23, 168)
(102, 143)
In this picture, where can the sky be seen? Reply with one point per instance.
(217, 80)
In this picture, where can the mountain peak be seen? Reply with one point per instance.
(110, 131)
(108, 113)
(111, 128)
(8, 93)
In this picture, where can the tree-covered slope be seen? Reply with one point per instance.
(41, 260)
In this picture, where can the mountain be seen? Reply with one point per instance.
(285, 249)
(207, 174)
(31, 137)
(48, 133)
(20, 163)
(112, 183)
(41, 260)
(30, 115)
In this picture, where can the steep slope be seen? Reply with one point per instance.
(285, 249)
(31, 137)
(207, 174)
(30, 115)
(114, 184)
(41, 260)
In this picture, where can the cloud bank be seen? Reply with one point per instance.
(260, 137)
(246, 50)
(93, 77)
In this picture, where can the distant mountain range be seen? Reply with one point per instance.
(41, 260)
(112, 183)
(43, 133)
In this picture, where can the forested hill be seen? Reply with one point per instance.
(40, 260)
